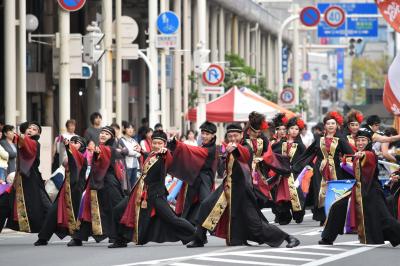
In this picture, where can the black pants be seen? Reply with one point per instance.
(258, 229)
(4, 209)
(50, 223)
(336, 220)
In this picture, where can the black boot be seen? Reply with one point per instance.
(75, 243)
(324, 241)
(118, 244)
(197, 243)
(40, 242)
(292, 242)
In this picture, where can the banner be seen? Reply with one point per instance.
(391, 91)
(390, 10)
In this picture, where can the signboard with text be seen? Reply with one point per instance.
(352, 27)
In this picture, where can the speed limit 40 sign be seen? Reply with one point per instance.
(334, 16)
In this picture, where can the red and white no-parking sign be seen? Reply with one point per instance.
(71, 5)
(334, 16)
(214, 75)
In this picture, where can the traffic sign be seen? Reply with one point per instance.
(353, 27)
(287, 95)
(71, 5)
(166, 41)
(306, 76)
(168, 22)
(310, 16)
(212, 90)
(334, 16)
(214, 75)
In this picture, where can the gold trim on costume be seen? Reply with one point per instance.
(351, 140)
(328, 159)
(72, 226)
(359, 204)
(140, 187)
(228, 195)
(223, 203)
(23, 219)
(216, 213)
(95, 212)
(294, 197)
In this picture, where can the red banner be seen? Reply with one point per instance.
(390, 10)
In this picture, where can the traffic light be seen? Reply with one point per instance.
(86, 71)
(352, 46)
(285, 58)
(92, 51)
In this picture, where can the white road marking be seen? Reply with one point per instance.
(307, 231)
(313, 233)
(326, 247)
(186, 264)
(340, 256)
(177, 259)
(270, 257)
(247, 262)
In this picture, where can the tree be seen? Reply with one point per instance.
(237, 73)
(366, 73)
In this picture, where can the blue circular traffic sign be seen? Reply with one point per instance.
(306, 76)
(71, 5)
(310, 16)
(168, 22)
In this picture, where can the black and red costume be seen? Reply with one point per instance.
(290, 201)
(26, 203)
(231, 211)
(146, 215)
(62, 216)
(102, 193)
(364, 206)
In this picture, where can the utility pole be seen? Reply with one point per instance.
(152, 54)
(163, 76)
(107, 71)
(64, 73)
(118, 63)
(295, 51)
(21, 78)
(201, 7)
(9, 65)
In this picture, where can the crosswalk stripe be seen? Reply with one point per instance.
(273, 257)
(186, 264)
(340, 256)
(302, 252)
(247, 262)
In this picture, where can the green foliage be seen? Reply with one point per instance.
(366, 74)
(303, 105)
(237, 73)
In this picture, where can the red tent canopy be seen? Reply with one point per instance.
(236, 105)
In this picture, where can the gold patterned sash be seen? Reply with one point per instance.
(294, 197)
(223, 203)
(22, 214)
(359, 204)
(140, 186)
(72, 226)
(95, 212)
(328, 159)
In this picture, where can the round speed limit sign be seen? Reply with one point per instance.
(334, 16)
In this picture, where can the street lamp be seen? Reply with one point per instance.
(32, 23)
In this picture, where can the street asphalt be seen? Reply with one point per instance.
(17, 249)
